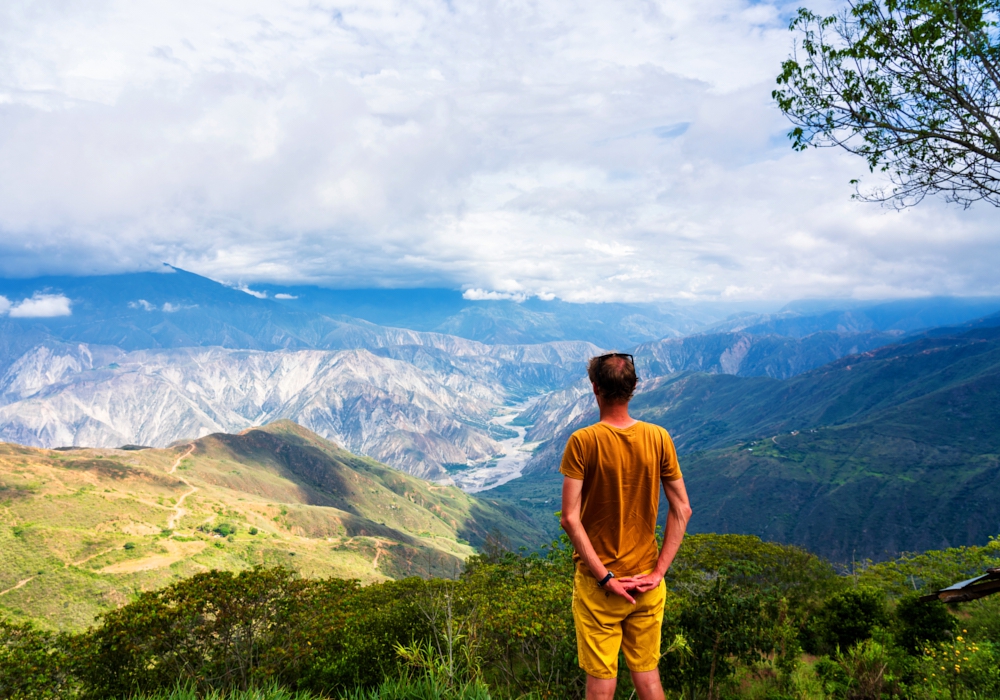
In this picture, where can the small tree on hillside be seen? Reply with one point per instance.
(725, 624)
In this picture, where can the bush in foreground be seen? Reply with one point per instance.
(738, 613)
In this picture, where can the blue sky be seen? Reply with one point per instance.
(591, 151)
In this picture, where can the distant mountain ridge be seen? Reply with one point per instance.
(804, 318)
(895, 449)
(149, 358)
(411, 406)
(739, 354)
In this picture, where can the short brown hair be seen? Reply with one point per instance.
(614, 377)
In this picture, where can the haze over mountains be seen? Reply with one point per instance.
(416, 378)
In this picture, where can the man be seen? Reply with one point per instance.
(611, 491)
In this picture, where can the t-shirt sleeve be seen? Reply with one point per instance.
(573, 462)
(670, 468)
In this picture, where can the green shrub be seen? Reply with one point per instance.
(33, 664)
(524, 638)
(339, 635)
(224, 529)
(845, 619)
(725, 625)
(209, 630)
(983, 622)
(918, 623)
(961, 668)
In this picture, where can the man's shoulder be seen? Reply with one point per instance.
(595, 430)
(653, 428)
(586, 434)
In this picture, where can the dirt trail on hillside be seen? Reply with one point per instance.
(17, 585)
(180, 459)
(180, 512)
(92, 556)
(378, 552)
(175, 552)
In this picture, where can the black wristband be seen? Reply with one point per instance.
(605, 579)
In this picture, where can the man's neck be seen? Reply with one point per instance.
(616, 415)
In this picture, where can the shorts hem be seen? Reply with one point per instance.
(603, 675)
(654, 667)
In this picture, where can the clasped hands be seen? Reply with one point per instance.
(640, 584)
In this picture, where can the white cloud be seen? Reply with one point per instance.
(613, 249)
(4, 305)
(246, 290)
(141, 304)
(599, 151)
(484, 295)
(282, 295)
(42, 306)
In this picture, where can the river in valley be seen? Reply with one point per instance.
(516, 453)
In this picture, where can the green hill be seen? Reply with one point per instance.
(82, 530)
(893, 450)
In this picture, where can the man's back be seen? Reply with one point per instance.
(621, 470)
(612, 475)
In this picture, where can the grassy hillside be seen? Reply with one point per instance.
(81, 531)
(853, 491)
(893, 450)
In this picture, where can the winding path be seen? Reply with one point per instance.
(97, 554)
(180, 512)
(378, 552)
(17, 585)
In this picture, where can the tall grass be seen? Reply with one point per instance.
(270, 693)
(421, 689)
(399, 689)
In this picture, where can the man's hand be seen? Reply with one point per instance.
(615, 586)
(641, 583)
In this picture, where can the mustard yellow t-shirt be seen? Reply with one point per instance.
(621, 470)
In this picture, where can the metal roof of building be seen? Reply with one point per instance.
(970, 589)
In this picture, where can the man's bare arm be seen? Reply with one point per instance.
(677, 520)
(572, 498)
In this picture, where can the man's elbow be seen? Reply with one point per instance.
(567, 522)
(683, 512)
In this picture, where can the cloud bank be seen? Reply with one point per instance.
(610, 150)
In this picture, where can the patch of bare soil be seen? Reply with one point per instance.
(175, 552)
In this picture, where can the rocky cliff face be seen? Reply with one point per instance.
(417, 401)
(739, 354)
(415, 407)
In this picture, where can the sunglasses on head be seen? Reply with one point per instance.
(602, 358)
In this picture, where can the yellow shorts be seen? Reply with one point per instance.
(606, 622)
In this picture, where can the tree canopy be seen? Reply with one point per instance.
(913, 86)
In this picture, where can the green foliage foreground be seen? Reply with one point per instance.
(744, 619)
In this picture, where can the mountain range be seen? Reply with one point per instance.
(418, 379)
(415, 407)
(895, 449)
